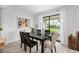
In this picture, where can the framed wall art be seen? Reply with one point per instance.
(23, 22)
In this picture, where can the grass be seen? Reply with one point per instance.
(54, 30)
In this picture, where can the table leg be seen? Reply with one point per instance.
(42, 47)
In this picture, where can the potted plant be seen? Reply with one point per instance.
(1, 29)
(32, 30)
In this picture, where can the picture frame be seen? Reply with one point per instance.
(22, 22)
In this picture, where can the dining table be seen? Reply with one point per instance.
(41, 38)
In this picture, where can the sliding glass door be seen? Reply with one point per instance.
(52, 23)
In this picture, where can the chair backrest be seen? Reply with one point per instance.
(27, 38)
(22, 36)
(38, 32)
(47, 32)
(53, 38)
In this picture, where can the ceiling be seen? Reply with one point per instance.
(35, 9)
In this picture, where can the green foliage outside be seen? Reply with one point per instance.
(1, 29)
(54, 27)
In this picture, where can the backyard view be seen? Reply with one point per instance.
(54, 25)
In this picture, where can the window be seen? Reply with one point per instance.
(52, 23)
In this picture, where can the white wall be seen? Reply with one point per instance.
(73, 20)
(76, 20)
(64, 30)
(10, 22)
(0, 16)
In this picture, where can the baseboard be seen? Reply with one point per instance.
(11, 41)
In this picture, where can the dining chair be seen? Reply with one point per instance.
(28, 42)
(38, 31)
(51, 44)
(47, 32)
(22, 38)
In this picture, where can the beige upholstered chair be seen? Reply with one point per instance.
(51, 44)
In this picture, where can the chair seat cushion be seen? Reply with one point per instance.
(32, 43)
(48, 44)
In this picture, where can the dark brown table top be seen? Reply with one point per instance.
(38, 37)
